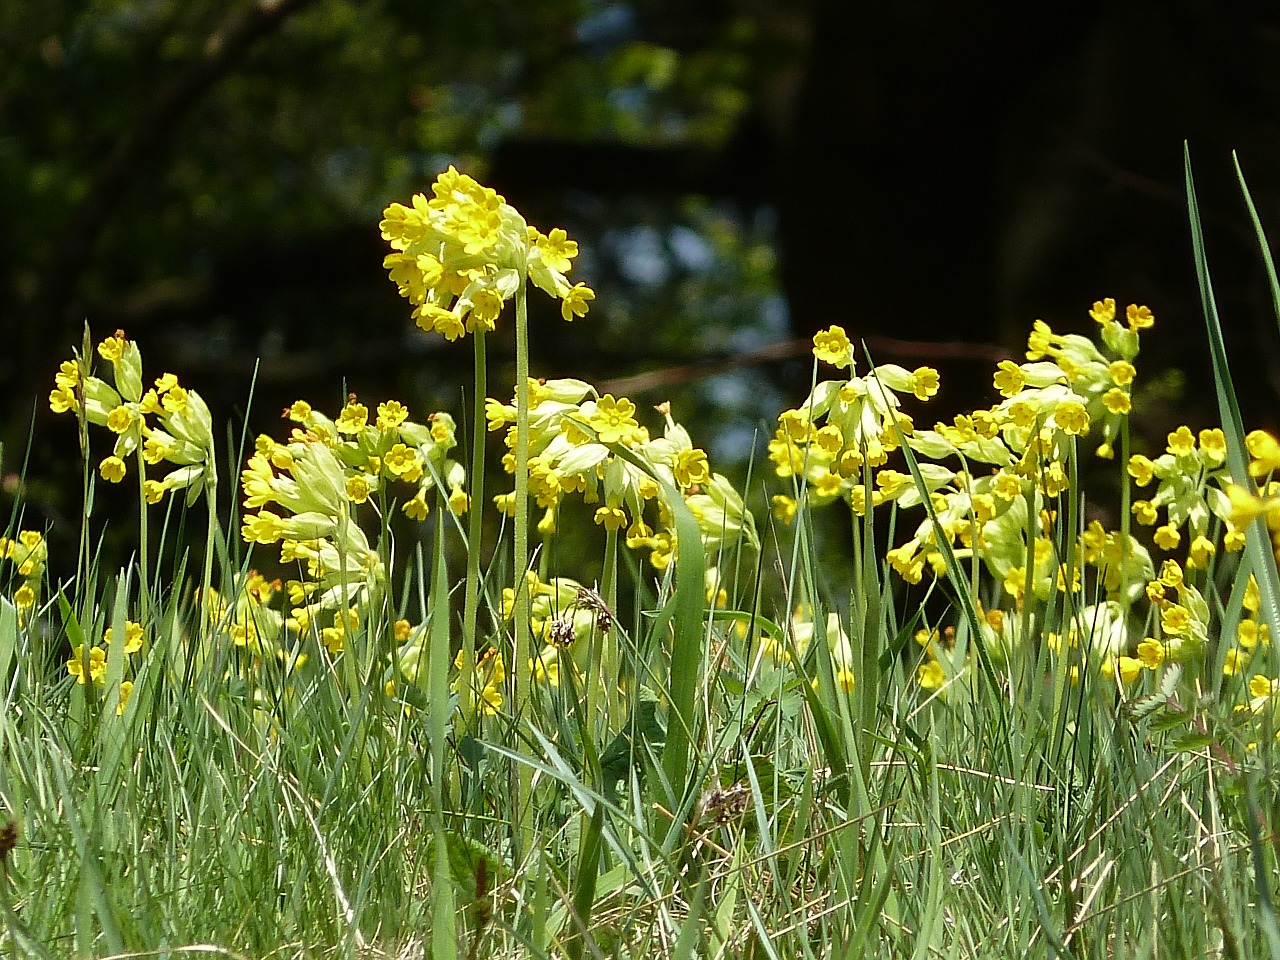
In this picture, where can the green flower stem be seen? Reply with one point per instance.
(471, 603)
(144, 585)
(611, 663)
(522, 650)
(1126, 514)
(212, 530)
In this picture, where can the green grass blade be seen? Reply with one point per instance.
(584, 887)
(1258, 543)
(444, 938)
(1263, 246)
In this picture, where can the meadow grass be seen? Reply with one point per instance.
(730, 749)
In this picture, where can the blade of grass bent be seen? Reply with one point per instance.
(1263, 246)
(1262, 560)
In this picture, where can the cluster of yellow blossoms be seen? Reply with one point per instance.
(28, 552)
(574, 436)
(166, 422)
(844, 426)
(564, 616)
(319, 478)
(486, 680)
(1067, 389)
(1000, 506)
(90, 663)
(461, 254)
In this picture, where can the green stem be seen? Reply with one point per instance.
(523, 649)
(212, 529)
(471, 604)
(144, 584)
(611, 661)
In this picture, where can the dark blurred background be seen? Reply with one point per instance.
(208, 175)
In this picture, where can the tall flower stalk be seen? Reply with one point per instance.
(458, 257)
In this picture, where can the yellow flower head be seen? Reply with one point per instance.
(832, 346)
(459, 256)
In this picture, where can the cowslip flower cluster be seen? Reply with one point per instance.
(167, 421)
(486, 679)
(1188, 477)
(461, 254)
(572, 436)
(564, 615)
(843, 426)
(786, 651)
(247, 614)
(993, 479)
(307, 491)
(90, 663)
(1067, 387)
(28, 552)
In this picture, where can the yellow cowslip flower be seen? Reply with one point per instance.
(924, 383)
(845, 679)
(931, 675)
(575, 301)
(459, 501)
(1122, 372)
(1009, 379)
(1175, 619)
(1182, 442)
(263, 527)
(126, 691)
(1117, 401)
(112, 469)
(1171, 574)
(1247, 507)
(1213, 447)
(1129, 668)
(691, 467)
(132, 636)
(391, 414)
(1235, 662)
(359, 488)
(613, 419)
(1142, 469)
(1151, 652)
(1249, 633)
(1071, 417)
(97, 664)
(832, 346)
(1139, 318)
(345, 622)
(611, 518)
(403, 463)
(555, 248)
(1262, 689)
(1265, 451)
(353, 418)
(1104, 311)
(1198, 554)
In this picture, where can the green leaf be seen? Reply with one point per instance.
(1169, 718)
(474, 868)
(1191, 741)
